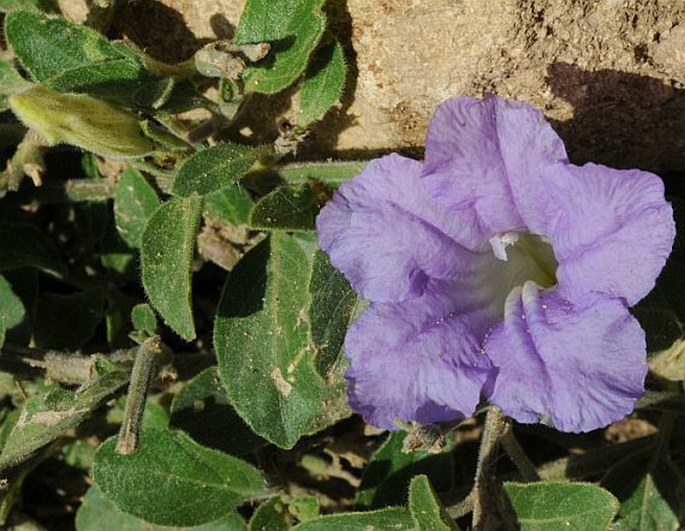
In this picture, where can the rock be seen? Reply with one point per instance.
(609, 74)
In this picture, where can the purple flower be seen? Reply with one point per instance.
(496, 267)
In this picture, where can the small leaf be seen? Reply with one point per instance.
(98, 513)
(166, 259)
(272, 515)
(287, 209)
(391, 518)
(651, 491)
(386, 479)
(144, 319)
(44, 420)
(69, 57)
(261, 341)
(292, 27)
(10, 82)
(425, 507)
(215, 168)
(49, 6)
(68, 321)
(323, 84)
(232, 204)
(25, 245)
(201, 409)
(171, 480)
(135, 201)
(551, 505)
(11, 307)
(331, 310)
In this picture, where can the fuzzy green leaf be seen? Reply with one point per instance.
(215, 168)
(323, 84)
(650, 489)
(166, 260)
(172, 480)
(425, 507)
(292, 27)
(333, 305)
(98, 513)
(287, 209)
(44, 419)
(201, 409)
(69, 57)
(262, 344)
(49, 6)
(25, 245)
(386, 479)
(552, 505)
(232, 204)
(12, 309)
(143, 319)
(135, 200)
(391, 518)
(10, 83)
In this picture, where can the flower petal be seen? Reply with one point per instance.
(493, 154)
(614, 232)
(389, 238)
(580, 366)
(415, 361)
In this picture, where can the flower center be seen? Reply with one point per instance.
(519, 257)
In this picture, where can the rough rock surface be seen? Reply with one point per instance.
(609, 73)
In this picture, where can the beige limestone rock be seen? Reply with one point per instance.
(609, 73)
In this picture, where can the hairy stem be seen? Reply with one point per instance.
(513, 449)
(141, 376)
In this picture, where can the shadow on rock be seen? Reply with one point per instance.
(621, 120)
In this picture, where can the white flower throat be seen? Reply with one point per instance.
(517, 258)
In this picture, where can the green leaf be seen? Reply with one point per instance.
(25, 245)
(144, 319)
(323, 84)
(650, 489)
(201, 409)
(11, 307)
(262, 344)
(72, 58)
(292, 27)
(214, 168)
(98, 513)
(551, 505)
(24, 284)
(68, 321)
(10, 83)
(287, 209)
(386, 479)
(172, 480)
(135, 201)
(330, 173)
(333, 304)
(43, 420)
(166, 259)
(272, 515)
(49, 6)
(425, 507)
(392, 518)
(232, 204)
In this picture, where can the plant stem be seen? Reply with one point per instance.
(495, 426)
(518, 456)
(67, 368)
(141, 376)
